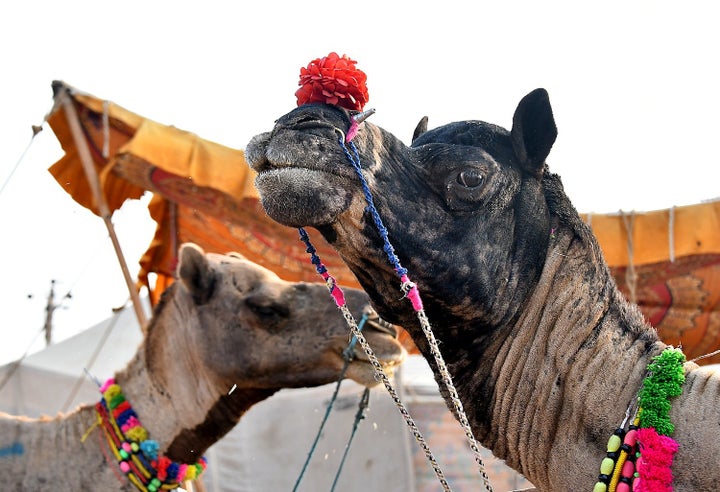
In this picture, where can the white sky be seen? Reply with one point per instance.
(634, 87)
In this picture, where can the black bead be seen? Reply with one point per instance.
(604, 478)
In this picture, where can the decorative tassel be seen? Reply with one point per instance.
(655, 461)
(664, 381)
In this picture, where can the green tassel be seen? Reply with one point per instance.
(664, 381)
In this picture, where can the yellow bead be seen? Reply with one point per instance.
(614, 443)
(606, 467)
(600, 487)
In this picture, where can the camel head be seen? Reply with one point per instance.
(464, 206)
(254, 330)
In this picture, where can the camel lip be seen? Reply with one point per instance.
(275, 168)
(385, 360)
(308, 124)
(387, 365)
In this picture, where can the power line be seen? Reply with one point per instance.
(36, 129)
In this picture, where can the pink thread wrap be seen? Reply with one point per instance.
(335, 291)
(352, 131)
(413, 293)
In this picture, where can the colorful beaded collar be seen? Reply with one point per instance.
(640, 458)
(137, 455)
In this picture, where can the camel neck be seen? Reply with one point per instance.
(566, 371)
(184, 416)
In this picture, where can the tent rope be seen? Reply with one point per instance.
(630, 273)
(671, 234)
(93, 358)
(36, 129)
(18, 362)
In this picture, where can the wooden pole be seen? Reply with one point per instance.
(94, 182)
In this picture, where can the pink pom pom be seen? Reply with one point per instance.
(656, 457)
(124, 466)
(182, 470)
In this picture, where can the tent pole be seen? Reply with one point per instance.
(94, 182)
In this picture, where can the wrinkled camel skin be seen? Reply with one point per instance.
(545, 352)
(226, 322)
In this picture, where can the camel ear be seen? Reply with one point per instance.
(533, 131)
(420, 128)
(195, 272)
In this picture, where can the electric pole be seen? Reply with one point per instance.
(49, 310)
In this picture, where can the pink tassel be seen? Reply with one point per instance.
(655, 461)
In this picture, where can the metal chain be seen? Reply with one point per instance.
(383, 378)
(447, 380)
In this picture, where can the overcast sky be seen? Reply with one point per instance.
(633, 84)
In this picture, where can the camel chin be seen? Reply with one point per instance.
(282, 189)
(362, 372)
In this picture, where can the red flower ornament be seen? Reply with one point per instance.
(334, 80)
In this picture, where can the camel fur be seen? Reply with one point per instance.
(228, 334)
(545, 352)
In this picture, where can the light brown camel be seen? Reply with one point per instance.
(545, 352)
(225, 336)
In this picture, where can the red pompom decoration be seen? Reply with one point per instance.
(333, 80)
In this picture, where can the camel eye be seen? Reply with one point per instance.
(266, 308)
(470, 178)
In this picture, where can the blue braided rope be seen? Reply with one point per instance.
(309, 248)
(354, 159)
(347, 353)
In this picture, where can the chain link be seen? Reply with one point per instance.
(380, 376)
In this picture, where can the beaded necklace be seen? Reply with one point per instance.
(136, 454)
(639, 459)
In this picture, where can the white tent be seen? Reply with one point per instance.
(266, 451)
